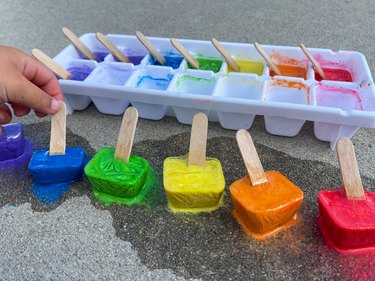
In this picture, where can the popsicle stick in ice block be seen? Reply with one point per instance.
(116, 175)
(78, 44)
(313, 61)
(112, 48)
(269, 61)
(185, 53)
(126, 135)
(57, 143)
(347, 214)
(194, 183)
(264, 202)
(51, 64)
(151, 48)
(57, 164)
(228, 58)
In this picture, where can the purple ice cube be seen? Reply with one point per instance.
(80, 72)
(136, 59)
(100, 55)
(14, 149)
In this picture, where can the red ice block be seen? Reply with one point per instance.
(347, 225)
(347, 215)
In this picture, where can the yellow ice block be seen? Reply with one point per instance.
(193, 188)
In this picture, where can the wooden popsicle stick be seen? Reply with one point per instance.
(80, 46)
(126, 135)
(232, 63)
(1, 129)
(250, 157)
(112, 48)
(198, 140)
(313, 61)
(267, 59)
(58, 132)
(148, 45)
(185, 53)
(51, 64)
(349, 170)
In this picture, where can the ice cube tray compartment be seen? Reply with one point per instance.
(233, 99)
(192, 83)
(75, 92)
(288, 91)
(113, 74)
(153, 79)
(241, 87)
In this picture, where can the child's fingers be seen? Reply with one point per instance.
(19, 109)
(27, 94)
(42, 77)
(5, 114)
(40, 114)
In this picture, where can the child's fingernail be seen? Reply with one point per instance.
(55, 105)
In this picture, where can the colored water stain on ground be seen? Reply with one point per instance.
(80, 73)
(49, 194)
(208, 64)
(334, 75)
(256, 67)
(212, 246)
(150, 82)
(298, 250)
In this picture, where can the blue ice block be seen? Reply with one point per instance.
(57, 168)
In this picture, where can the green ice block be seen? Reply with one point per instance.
(116, 178)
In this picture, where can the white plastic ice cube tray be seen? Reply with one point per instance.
(338, 109)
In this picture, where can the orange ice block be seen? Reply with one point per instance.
(264, 203)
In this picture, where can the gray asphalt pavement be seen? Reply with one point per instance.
(78, 238)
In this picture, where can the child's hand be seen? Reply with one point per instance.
(24, 84)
